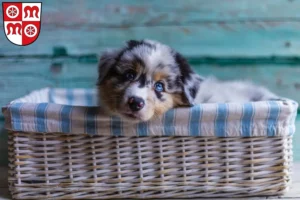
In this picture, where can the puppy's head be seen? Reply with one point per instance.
(145, 79)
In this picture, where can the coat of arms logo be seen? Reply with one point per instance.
(21, 22)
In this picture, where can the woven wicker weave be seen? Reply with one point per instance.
(60, 166)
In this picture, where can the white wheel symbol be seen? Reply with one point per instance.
(30, 30)
(12, 11)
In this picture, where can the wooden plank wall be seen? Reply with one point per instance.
(245, 39)
(194, 27)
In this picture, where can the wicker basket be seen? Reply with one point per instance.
(57, 165)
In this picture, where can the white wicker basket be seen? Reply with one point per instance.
(45, 161)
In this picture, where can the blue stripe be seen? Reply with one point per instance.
(194, 121)
(221, 120)
(65, 119)
(90, 125)
(65, 114)
(88, 98)
(116, 126)
(169, 122)
(272, 118)
(142, 129)
(40, 117)
(246, 121)
(16, 116)
(69, 96)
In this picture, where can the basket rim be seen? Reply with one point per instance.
(59, 110)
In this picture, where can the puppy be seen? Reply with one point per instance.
(145, 78)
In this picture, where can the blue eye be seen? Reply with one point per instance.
(159, 87)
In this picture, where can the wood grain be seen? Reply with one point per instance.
(130, 13)
(193, 27)
(209, 39)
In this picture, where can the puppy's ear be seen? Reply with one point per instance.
(190, 80)
(107, 60)
(133, 43)
(190, 88)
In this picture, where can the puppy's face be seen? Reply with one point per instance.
(145, 79)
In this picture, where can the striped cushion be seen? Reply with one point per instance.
(74, 111)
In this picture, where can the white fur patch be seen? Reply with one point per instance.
(215, 91)
(134, 91)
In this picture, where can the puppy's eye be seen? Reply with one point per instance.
(129, 75)
(159, 87)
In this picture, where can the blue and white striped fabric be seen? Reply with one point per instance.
(75, 111)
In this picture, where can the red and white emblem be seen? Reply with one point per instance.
(22, 22)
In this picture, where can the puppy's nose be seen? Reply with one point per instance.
(136, 103)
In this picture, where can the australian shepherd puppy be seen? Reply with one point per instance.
(145, 78)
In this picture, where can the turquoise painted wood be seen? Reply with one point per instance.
(215, 39)
(296, 140)
(194, 27)
(129, 13)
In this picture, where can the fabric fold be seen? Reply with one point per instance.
(75, 111)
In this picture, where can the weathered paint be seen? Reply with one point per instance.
(213, 28)
(130, 13)
(213, 39)
(296, 140)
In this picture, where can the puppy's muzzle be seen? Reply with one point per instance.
(136, 103)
